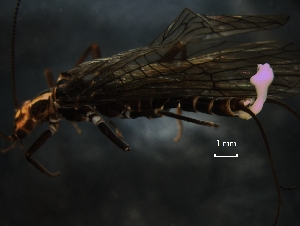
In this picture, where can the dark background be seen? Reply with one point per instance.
(159, 182)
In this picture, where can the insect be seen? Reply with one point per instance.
(176, 69)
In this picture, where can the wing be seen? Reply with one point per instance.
(196, 68)
(189, 26)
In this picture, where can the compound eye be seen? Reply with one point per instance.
(21, 133)
(39, 109)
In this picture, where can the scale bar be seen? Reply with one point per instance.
(230, 156)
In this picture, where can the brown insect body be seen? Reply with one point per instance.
(184, 68)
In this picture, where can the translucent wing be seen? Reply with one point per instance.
(189, 26)
(196, 68)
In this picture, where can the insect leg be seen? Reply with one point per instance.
(9, 148)
(96, 53)
(51, 83)
(94, 50)
(184, 118)
(179, 47)
(179, 125)
(37, 144)
(107, 131)
(49, 77)
(63, 77)
(159, 112)
(117, 131)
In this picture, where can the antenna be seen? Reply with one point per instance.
(13, 38)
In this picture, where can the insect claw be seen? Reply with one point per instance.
(57, 173)
(127, 149)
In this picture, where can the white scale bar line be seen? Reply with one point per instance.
(230, 156)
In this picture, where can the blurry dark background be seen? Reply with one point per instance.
(159, 182)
